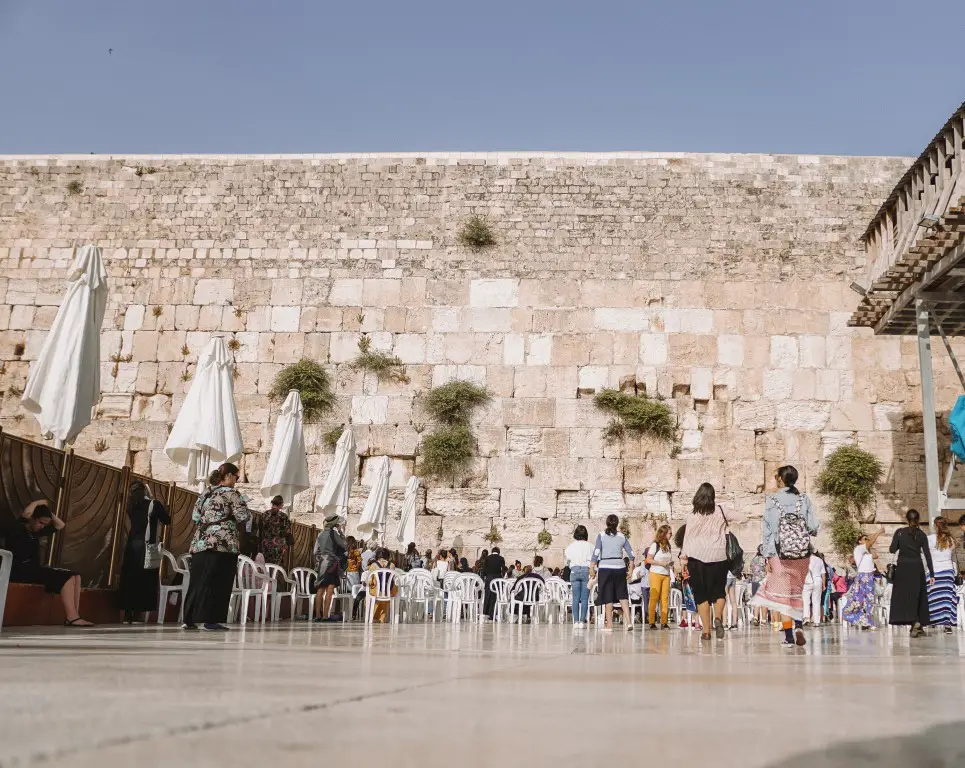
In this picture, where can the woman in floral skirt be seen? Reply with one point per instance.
(860, 599)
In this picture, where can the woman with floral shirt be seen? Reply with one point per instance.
(275, 532)
(214, 551)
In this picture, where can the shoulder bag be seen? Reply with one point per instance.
(152, 552)
(735, 554)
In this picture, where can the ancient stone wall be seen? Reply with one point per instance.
(718, 282)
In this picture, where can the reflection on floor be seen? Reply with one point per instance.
(439, 695)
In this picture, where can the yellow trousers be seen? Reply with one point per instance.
(659, 592)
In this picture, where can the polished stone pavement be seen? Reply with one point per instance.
(463, 696)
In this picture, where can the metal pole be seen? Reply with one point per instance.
(928, 411)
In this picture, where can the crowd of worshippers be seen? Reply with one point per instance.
(787, 579)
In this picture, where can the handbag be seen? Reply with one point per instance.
(890, 572)
(735, 554)
(152, 552)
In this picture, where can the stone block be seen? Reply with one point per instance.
(585, 443)
(346, 293)
(807, 416)
(524, 441)
(730, 350)
(370, 409)
(603, 503)
(539, 503)
(623, 319)
(285, 319)
(214, 291)
(539, 349)
(778, 384)
(813, 351)
(573, 505)
(500, 292)
(784, 352)
(463, 502)
(532, 412)
(511, 503)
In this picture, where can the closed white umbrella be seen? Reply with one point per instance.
(376, 509)
(64, 381)
(206, 431)
(406, 531)
(287, 471)
(334, 494)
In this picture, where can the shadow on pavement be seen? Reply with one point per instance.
(942, 746)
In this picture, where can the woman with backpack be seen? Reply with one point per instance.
(788, 525)
(909, 594)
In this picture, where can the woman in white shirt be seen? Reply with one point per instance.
(659, 559)
(942, 598)
(859, 610)
(578, 555)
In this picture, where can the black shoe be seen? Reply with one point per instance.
(189, 626)
(651, 626)
(214, 628)
(664, 626)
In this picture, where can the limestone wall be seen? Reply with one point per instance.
(718, 282)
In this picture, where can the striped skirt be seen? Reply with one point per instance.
(783, 587)
(943, 600)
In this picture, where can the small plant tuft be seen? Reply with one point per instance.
(233, 345)
(635, 414)
(528, 470)
(239, 312)
(74, 187)
(185, 375)
(311, 381)
(494, 536)
(544, 538)
(18, 349)
(440, 533)
(448, 452)
(100, 445)
(331, 437)
(625, 526)
(142, 170)
(453, 403)
(384, 366)
(185, 350)
(477, 234)
(157, 311)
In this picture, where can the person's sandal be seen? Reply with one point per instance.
(704, 636)
(76, 623)
(719, 628)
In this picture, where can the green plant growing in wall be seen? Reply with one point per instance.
(384, 366)
(312, 383)
(636, 415)
(849, 478)
(448, 451)
(74, 187)
(544, 538)
(625, 526)
(330, 438)
(477, 234)
(440, 533)
(494, 536)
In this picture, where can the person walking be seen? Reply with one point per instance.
(275, 533)
(788, 525)
(659, 559)
(218, 513)
(758, 569)
(814, 591)
(138, 589)
(612, 583)
(909, 589)
(942, 597)
(860, 600)
(703, 556)
(331, 551)
(578, 555)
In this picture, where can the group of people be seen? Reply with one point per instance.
(790, 581)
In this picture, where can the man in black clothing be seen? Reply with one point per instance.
(494, 568)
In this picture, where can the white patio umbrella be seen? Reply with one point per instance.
(376, 509)
(406, 530)
(334, 494)
(64, 381)
(287, 471)
(206, 431)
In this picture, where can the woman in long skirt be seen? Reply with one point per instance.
(607, 559)
(942, 598)
(860, 605)
(703, 558)
(218, 513)
(782, 591)
(138, 589)
(909, 593)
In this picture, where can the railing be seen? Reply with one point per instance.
(91, 498)
(933, 182)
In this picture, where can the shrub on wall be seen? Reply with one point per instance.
(635, 414)
(311, 382)
(849, 478)
(447, 452)
(544, 538)
(453, 403)
(477, 234)
(379, 363)
(330, 438)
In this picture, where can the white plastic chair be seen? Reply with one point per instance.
(303, 579)
(500, 588)
(418, 589)
(250, 582)
(559, 598)
(527, 592)
(279, 588)
(384, 579)
(598, 612)
(6, 565)
(166, 590)
(184, 561)
(345, 594)
(883, 607)
(676, 606)
(961, 605)
(467, 592)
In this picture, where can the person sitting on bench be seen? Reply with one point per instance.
(34, 523)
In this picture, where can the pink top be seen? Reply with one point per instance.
(705, 538)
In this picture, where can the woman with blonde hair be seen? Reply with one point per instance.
(659, 559)
(942, 598)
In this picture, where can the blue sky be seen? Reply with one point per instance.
(842, 77)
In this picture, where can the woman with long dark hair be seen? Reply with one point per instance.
(659, 560)
(942, 598)
(860, 603)
(138, 590)
(612, 584)
(219, 513)
(789, 523)
(703, 557)
(909, 589)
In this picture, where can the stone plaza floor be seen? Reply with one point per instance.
(426, 695)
